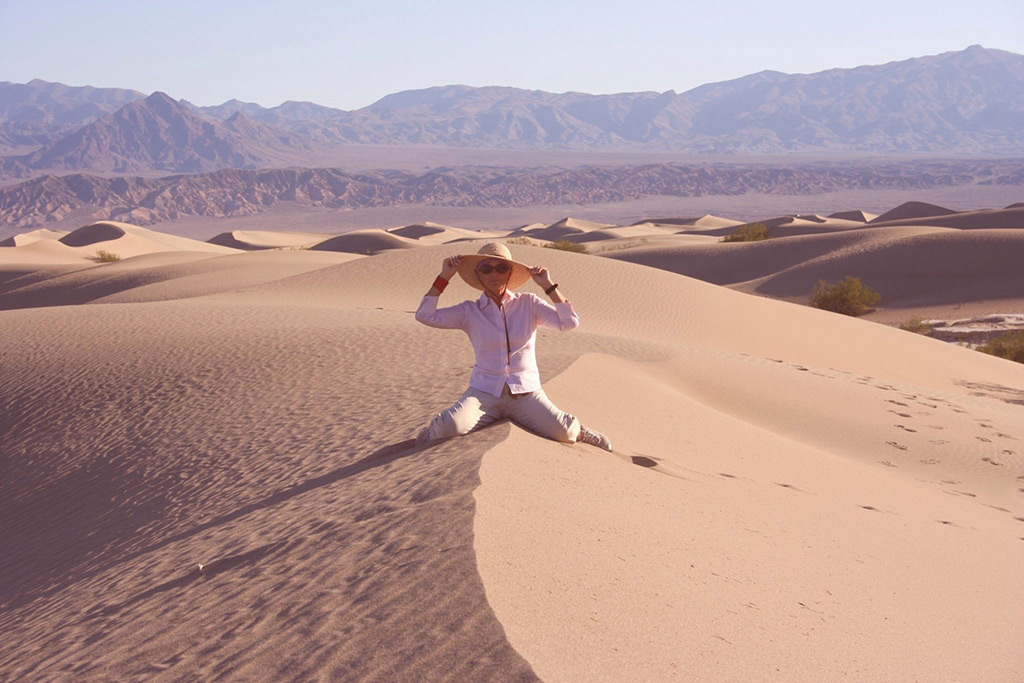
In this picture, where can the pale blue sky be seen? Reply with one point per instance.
(349, 54)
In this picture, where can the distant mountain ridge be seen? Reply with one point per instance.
(233, 192)
(966, 102)
(159, 133)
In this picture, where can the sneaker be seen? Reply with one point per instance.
(594, 438)
(424, 436)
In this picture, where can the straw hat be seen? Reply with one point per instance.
(519, 276)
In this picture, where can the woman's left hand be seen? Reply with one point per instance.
(541, 277)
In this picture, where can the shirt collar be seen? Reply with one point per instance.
(484, 299)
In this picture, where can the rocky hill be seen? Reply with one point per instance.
(233, 192)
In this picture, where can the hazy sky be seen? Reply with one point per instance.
(349, 54)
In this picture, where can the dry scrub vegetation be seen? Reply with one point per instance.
(849, 297)
(751, 232)
(104, 256)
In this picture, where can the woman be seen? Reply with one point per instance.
(502, 325)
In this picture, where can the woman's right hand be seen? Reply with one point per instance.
(449, 267)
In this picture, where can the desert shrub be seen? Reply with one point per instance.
(751, 232)
(623, 245)
(566, 245)
(104, 256)
(916, 325)
(849, 297)
(1009, 345)
(525, 241)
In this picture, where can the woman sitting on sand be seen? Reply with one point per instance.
(502, 325)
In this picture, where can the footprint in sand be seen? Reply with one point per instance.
(1007, 436)
(896, 445)
(906, 429)
(938, 442)
(899, 414)
(990, 461)
(1008, 452)
(789, 486)
(930, 461)
(981, 438)
(655, 465)
(897, 403)
(887, 463)
(872, 508)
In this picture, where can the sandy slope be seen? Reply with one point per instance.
(32, 236)
(928, 271)
(795, 495)
(267, 239)
(81, 246)
(434, 233)
(161, 276)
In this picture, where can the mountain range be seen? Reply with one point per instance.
(965, 102)
(238, 192)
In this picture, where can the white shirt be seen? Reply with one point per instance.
(501, 359)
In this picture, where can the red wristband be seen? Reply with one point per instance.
(440, 283)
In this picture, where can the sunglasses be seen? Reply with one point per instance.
(487, 268)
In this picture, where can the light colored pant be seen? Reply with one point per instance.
(476, 409)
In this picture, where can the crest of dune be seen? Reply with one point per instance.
(912, 210)
(123, 240)
(365, 242)
(32, 236)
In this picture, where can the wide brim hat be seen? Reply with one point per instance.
(519, 276)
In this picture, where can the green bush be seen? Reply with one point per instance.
(849, 297)
(104, 256)
(1009, 345)
(525, 241)
(751, 232)
(916, 325)
(566, 245)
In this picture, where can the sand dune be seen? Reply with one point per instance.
(943, 266)
(738, 262)
(161, 276)
(565, 229)
(266, 239)
(365, 242)
(705, 221)
(81, 245)
(911, 210)
(217, 480)
(928, 274)
(1012, 217)
(434, 233)
(32, 236)
(856, 215)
